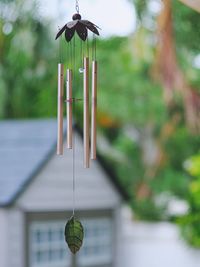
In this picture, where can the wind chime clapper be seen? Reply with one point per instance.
(79, 27)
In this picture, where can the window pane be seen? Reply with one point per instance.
(47, 245)
(97, 246)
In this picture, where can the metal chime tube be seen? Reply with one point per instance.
(60, 109)
(69, 109)
(94, 110)
(86, 138)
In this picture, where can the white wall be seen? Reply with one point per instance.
(155, 245)
(11, 238)
(3, 238)
(117, 238)
(15, 238)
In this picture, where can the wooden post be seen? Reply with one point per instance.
(60, 110)
(94, 110)
(69, 109)
(86, 138)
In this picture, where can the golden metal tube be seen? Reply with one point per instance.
(60, 110)
(86, 137)
(69, 109)
(94, 110)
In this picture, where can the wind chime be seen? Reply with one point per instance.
(77, 29)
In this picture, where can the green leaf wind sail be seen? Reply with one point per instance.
(74, 234)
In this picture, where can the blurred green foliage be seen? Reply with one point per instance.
(189, 223)
(26, 52)
(126, 90)
(185, 20)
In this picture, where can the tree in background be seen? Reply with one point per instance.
(189, 223)
(162, 41)
(167, 69)
(26, 53)
(174, 24)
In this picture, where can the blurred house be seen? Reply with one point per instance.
(36, 200)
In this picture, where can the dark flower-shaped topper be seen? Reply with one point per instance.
(78, 25)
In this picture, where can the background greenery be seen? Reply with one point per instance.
(148, 140)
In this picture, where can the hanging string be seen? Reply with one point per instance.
(81, 53)
(74, 139)
(74, 55)
(95, 48)
(71, 55)
(88, 50)
(84, 50)
(77, 6)
(60, 49)
(74, 158)
(68, 56)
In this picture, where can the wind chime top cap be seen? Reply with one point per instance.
(79, 26)
(76, 16)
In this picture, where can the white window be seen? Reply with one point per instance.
(97, 245)
(47, 245)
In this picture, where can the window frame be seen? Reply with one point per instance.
(64, 216)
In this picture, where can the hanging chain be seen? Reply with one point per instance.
(77, 6)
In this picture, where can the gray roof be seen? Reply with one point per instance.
(25, 147)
